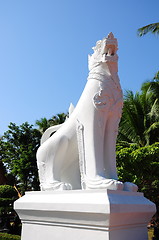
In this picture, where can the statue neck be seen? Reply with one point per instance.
(105, 71)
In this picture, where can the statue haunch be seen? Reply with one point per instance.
(81, 153)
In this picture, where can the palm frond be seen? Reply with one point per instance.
(153, 28)
(154, 113)
(153, 127)
(156, 77)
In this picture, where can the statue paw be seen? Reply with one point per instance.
(101, 183)
(118, 185)
(131, 187)
(64, 186)
(58, 186)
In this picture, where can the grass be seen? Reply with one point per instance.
(6, 236)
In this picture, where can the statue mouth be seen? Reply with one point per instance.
(110, 50)
(109, 53)
(111, 58)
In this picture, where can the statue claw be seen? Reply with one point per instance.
(131, 187)
(102, 183)
(56, 186)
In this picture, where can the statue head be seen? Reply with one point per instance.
(104, 51)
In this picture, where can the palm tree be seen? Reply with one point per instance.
(58, 119)
(152, 88)
(153, 28)
(140, 119)
(132, 125)
(45, 123)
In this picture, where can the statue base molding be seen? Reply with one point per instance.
(89, 214)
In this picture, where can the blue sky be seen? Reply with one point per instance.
(44, 46)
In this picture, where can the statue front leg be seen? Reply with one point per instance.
(90, 135)
(111, 132)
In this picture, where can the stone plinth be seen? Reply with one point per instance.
(86, 215)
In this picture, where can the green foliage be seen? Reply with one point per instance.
(6, 236)
(140, 165)
(18, 151)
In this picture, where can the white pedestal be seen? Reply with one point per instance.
(86, 215)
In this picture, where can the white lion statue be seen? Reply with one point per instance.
(81, 153)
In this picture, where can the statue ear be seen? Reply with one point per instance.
(71, 109)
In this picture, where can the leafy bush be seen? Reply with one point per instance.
(7, 191)
(140, 165)
(8, 218)
(7, 196)
(6, 236)
(18, 152)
